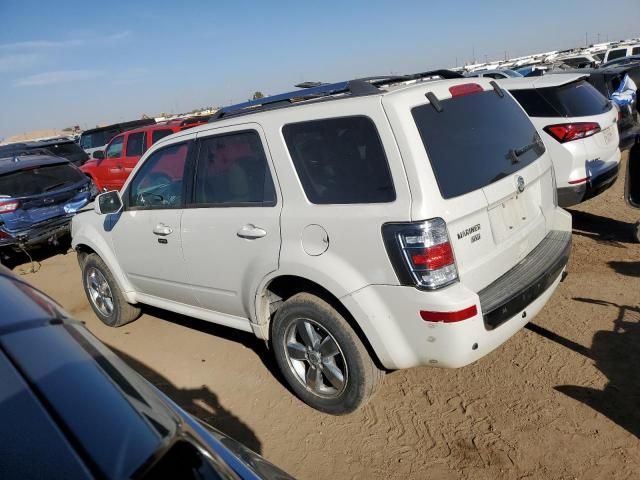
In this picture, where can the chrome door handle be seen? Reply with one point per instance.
(251, 231)
(162, 230)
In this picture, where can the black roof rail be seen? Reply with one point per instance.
(315, 90)
(352, 87)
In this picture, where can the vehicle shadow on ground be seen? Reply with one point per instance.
(616, 354)
(25, 262)
(199, 402)
(602, 229)
(630, 269)
(246, 339)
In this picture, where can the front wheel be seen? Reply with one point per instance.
(322, 358)
(104, 294)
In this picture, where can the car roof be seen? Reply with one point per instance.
(125, 126)
(549, 80)
(150, 128)
(20, 162)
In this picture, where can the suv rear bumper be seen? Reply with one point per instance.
(39, 233)
(390, 315)
(594, 186)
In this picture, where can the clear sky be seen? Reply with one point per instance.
(65, 63)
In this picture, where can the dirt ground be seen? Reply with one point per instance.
(560, 400)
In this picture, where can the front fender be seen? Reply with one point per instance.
(87, 230)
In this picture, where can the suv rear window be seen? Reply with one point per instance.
(340, 161)
(34, 181)
(158, 134)
(576, 99)
(471, 142)
(63, 149)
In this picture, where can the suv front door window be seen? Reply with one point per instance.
(110, 169)
(146, 235)
(231, 228)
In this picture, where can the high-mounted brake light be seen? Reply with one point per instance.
(421, 253)
(8, 206)
(567, 132)
(465, 89)
(449, 317)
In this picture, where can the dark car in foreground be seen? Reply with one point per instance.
(39, 194)
(70, 408)
(61, 147)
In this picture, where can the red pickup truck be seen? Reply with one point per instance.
(110, 169)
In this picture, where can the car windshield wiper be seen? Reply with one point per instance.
(54, 186)
(514, 154)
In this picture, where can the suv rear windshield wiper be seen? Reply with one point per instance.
(514, 154)
(54, 186)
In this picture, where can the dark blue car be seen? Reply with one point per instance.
(70, 408)
(38, 196)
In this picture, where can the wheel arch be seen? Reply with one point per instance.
(278, 289)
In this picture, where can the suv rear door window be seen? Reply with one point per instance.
(340, 161)
(135, 144)
(233, 169)
(635, 51)
(471, 143)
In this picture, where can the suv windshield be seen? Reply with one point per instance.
(34, 181)
(476, 140)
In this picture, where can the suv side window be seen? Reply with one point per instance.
(114, 150)
(135, 144)
(159, 182)
(158, 134)
(340, 161)
(232, 169)
(619, 53)
(635, 51)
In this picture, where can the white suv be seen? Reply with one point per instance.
(578, 126)
(355, 227)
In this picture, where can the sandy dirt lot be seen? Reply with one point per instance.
(560, 400)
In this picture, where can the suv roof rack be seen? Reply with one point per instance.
(315, 90)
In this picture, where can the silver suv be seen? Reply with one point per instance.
(356, 227)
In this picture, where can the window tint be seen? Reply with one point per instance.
(635, 51)
(599, 56)
(619, 53)
(233, 169)
(476, 140)
(114, 150)
(158, 134)
(340, 161)
(158, 183)
(576, 99)
(534, 104)
(135, 144)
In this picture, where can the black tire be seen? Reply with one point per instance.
(120, 312)
(361, 376)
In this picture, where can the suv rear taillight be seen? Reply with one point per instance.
(8, 206)
(567, 132)
(421, 253)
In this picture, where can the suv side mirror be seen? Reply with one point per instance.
(632, 186)
(107, 203)
(98, 155)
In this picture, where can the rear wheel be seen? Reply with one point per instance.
(104, 294)
(321, 357)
